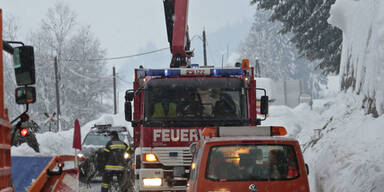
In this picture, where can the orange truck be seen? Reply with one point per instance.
(250, 158)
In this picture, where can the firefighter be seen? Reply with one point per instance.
(30, 138)
(114, 166)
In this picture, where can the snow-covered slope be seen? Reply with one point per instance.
(343, 147)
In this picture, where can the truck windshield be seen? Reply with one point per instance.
(195, 102)
(252, 163)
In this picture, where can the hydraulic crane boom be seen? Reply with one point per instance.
(176, 17)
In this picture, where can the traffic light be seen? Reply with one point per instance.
(24, 132)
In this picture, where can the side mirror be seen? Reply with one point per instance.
(264, 105)
(24, 65)
(129, 95)
(128, 111)
(193, 148)
(25, 95)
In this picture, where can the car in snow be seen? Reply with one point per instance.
(91, 169)
(98, 137)
(247, 159)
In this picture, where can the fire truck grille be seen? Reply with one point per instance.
(172, 156)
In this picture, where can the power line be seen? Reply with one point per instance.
(120, 57)
(117, 76)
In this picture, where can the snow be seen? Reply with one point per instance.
(362, 23)
(60, 143)
(342, 146)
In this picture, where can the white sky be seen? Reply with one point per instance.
(125, 27)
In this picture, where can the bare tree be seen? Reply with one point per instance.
(80, 77)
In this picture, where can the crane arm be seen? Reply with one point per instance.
(176, 17)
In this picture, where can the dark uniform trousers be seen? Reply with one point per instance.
(115, 150)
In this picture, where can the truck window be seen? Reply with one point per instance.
(195, 102)
(252, 162)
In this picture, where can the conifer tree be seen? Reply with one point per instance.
(313, 36)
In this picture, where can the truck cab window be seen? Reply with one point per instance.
(251, 162)
(182, 102)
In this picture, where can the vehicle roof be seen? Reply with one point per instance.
(105, 129)
(249, 138)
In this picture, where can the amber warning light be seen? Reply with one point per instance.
(244, 131)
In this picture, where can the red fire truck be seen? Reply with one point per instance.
(172, 106)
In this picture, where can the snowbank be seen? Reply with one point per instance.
(362, 23)
(61, 143)
(343, 147)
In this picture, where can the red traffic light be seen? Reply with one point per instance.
(24, 132)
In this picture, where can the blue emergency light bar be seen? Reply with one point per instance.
(193, 72)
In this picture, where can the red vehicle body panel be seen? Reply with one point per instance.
(5, 140)
(166, 136)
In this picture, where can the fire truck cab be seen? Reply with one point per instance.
(171, 108)
(250, 158)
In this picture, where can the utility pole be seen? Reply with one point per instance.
(222, 61)
(205, 48)
(114, 91)
(57, 95)
(257, 68)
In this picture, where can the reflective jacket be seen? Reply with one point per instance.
(159, 111)
(115, 150)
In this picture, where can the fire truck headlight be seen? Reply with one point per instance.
(150, 157)
(152, 182)
(126, 155)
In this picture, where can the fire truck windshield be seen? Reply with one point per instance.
(190, 102)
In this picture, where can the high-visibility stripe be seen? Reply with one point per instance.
(128, 148)
(118, 146)
(104, 185)
(107, 150)
(114, 167)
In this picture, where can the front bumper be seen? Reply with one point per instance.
(168, 182)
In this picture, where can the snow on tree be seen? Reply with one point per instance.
(82, 82)
(278, 58)
(362, 67)
(312, 35)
